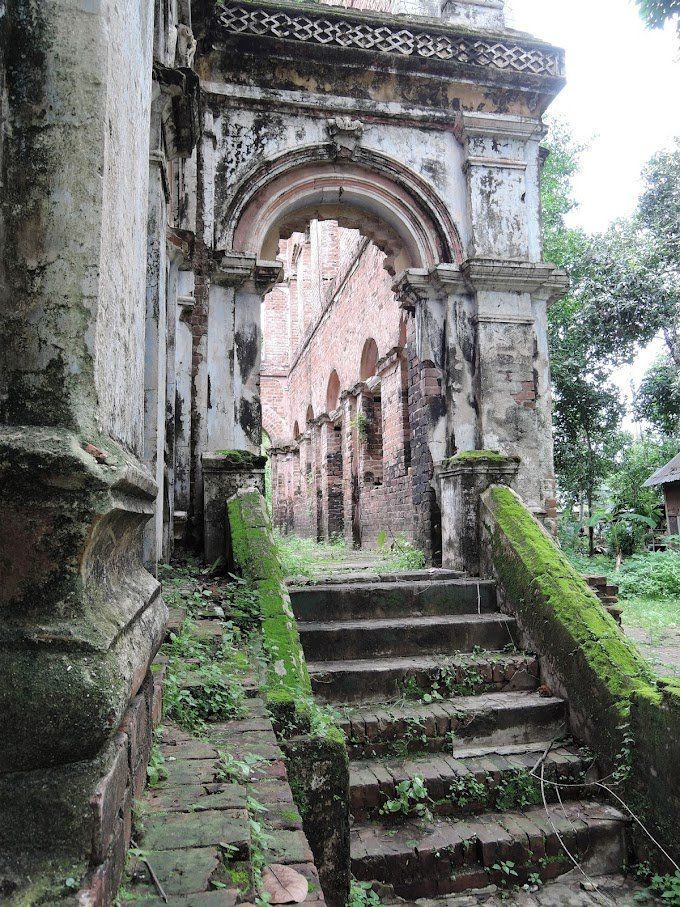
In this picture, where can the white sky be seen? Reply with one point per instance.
(622, 97)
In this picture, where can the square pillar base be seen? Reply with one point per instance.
(462, 480)
(224, 473)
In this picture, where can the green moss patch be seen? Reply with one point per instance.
(472, 456)
(599, 668)
(287, 684)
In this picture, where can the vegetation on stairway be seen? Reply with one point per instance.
(305, 557)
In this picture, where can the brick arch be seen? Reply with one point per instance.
(382, 198)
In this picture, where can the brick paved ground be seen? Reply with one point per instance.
(208, 830)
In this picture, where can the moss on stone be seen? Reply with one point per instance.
(465, 456)
(254, 549)
(318, 765)
(243, 458)
(563, 618)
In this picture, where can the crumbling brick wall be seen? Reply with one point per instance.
(343, 450)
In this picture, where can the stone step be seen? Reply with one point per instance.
(491, 719)
(370, 572)
(419, 858)
(405, 636)
(459, 785)
(387, 678)
(350, 601)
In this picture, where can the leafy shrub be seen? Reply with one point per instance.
(652, 575)
(361, 894)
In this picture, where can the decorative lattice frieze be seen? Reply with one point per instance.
(473, 50)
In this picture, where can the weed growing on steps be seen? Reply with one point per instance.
(466, 790)
(411, 800)
(518, 790)
(155, 770)
(201, 684)
(449, 681)
(361, 894)
(231, 769)
(666, 887)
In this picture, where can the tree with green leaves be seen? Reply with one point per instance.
(619, 298)
(655, 13)
(658, 217)
(657, 400)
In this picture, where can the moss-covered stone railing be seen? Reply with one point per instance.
(318, 765)
(615, 705)
(287, 688)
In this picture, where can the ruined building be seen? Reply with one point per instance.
(219, 216)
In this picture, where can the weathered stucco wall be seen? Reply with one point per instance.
(81, 618)
(124, 139)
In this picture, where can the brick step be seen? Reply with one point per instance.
(350, 601)
(433, 634)
(430, 858)
(371, 573)
(459, 785)
(387, 678)
(491, 719)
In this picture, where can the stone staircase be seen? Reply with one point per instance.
(425, 673)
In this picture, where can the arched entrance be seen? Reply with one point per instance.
(435, 161)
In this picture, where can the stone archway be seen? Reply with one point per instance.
(434, 156)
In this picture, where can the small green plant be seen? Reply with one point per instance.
(667, 887)
(155, 770)
(360, 423)
(412, 799)
(231, 769)
(507, 870)
(361, 894)
(518, 790)
(466, 790)
(399, 553)
(533, 881)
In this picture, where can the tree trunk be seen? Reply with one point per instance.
(672, 338)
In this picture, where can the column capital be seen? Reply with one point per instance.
(498, 125)
(541, 279)
(235, 269)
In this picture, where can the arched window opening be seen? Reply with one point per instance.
(296, 431)
(332, 392)
(310, 414)
(369, 359)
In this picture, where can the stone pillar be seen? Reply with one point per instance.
(172, 91)
(462, 480)
(237, 288)
(233, 412)
(81, 617)
(511, 287)
(225, 473)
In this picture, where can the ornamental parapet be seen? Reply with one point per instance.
(378, 33)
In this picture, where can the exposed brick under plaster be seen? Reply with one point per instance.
(349, 458)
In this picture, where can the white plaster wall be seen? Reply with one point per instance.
(119, 342)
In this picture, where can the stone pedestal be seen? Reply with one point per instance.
(462, 480)
(224, 473)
